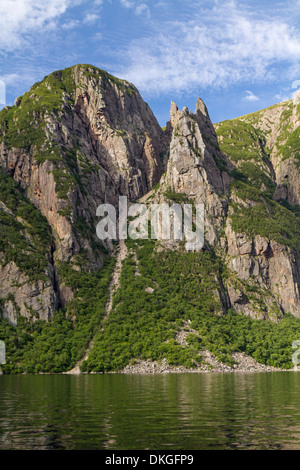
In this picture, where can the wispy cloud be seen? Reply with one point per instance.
(220, 46)
(279, 98)
(15, 81)
(127, 3)
(71, 24)
(90, 18)
(137, 7)
(250, 96)
(22, 19)
(19, 18)
(142, 9)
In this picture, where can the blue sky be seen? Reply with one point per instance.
(239, 56)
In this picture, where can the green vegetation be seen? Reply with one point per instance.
(96, 73)
(50, 153)
(187, 286)
(26, 239)
(291, 147)
(144, 326)
(57, 345)
(245, 144)
(255, 177)
(265, 217)
(267, 342)
(23, 126)
(241, 141)
(65, 182)
(25, 236)
(176, 197)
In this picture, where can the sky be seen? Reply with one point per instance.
(239, 56)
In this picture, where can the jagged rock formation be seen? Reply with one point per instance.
(196, 166)
(238, 183)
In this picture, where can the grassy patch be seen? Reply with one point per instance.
(23, 126)
(25, 236)
(176, 197)
(265, 217)
(57, 345)
(240, 141)
(254, 176)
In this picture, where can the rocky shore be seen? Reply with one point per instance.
(244, 363)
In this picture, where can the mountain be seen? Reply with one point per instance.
(82, 137)
(77, 139)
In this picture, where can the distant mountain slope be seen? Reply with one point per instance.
(264, 148)
(270, 139)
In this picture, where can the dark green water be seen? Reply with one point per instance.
(178, 412)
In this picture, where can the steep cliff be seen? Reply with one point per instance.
(196, 167)
(77, 139)
(262, 228)
(28, 284)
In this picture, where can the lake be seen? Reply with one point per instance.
(155, 412)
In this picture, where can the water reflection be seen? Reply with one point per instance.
(185, 411)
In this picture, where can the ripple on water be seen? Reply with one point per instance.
(180, 411)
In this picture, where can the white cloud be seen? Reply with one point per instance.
(90, 18)
(18, 18)
(70, 24)
(220, 46)
(18, 81)
(98, 36)
(279, 97)
(139, 8)
(142, 9)
(250, 96)
(127, 3)
(9, 78)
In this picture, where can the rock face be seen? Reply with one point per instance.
(277, 131)
(263, 259)
(100, 142)
(196, 166)
(30, 299)
(267, 276)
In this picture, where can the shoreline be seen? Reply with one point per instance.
(244, 364)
